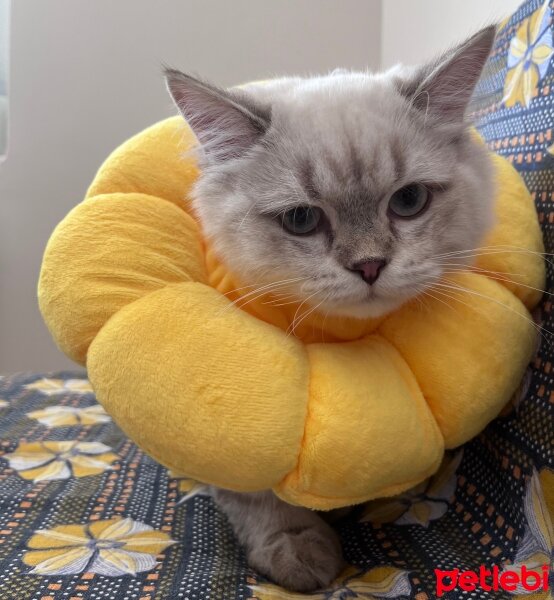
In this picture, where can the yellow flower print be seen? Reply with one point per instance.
(53, 387)
(62, 416)
(3, 403)
(48, 461)
(528, 57)
(420, 505)
(537, 547)
(114, 547)
(382, 582)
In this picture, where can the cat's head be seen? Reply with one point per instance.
(351, 188)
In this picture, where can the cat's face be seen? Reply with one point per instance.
(346, 191)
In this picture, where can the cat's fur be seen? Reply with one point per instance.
(344, 143)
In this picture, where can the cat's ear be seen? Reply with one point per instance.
(226, 123)
(444, 87)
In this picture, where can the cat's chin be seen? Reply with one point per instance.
(369, 309)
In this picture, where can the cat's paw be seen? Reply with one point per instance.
(301, 560)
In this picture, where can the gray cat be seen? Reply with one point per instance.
(346, 189)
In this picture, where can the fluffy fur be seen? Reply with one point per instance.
(344, 143)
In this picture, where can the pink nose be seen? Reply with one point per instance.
(369, 269)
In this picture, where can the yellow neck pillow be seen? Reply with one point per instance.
(341, 412)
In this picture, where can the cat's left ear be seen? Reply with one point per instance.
(444, 87)
(226, 123)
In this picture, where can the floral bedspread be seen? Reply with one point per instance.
(85, 514)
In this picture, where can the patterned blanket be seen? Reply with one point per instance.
(85, 514)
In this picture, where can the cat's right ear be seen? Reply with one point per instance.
(443, 88)
(226, 123)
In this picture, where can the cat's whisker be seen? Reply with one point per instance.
(282, 301)
(294, 324)
(257, 293)
(500, 247)
(451, 295)
(463, 254)
(540, 330)
(432, 296)
(421, 300)
(242, 302)
(455, 296)
(494, 250)
(322, 330)
(270, 287)
(496, 253)
(255, 285)
(463, 290)
(459, 267)
(492, 275)
(490, 252)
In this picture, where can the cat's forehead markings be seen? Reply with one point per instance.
(340, 172)
(349, 172)
(307, 180)
(398, 159)
(355, 163)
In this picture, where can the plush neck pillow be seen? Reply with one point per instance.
(341, 412)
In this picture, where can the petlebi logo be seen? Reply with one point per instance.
(489, 580)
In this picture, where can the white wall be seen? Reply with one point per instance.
(4, 45)
(415, 30)
(86, 75)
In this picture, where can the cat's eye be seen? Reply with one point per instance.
(409, 201)
(302, 220)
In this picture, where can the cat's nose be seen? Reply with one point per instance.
(369, 269)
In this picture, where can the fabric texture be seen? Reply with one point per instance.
(85, 513)
(130, 287)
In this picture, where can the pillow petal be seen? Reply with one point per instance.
(203, 386)
(107, 253)
(512, 253)
(467, 356)
(368, 381)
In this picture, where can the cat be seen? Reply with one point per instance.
(346, 187)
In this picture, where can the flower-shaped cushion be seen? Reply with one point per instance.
(207, 377)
